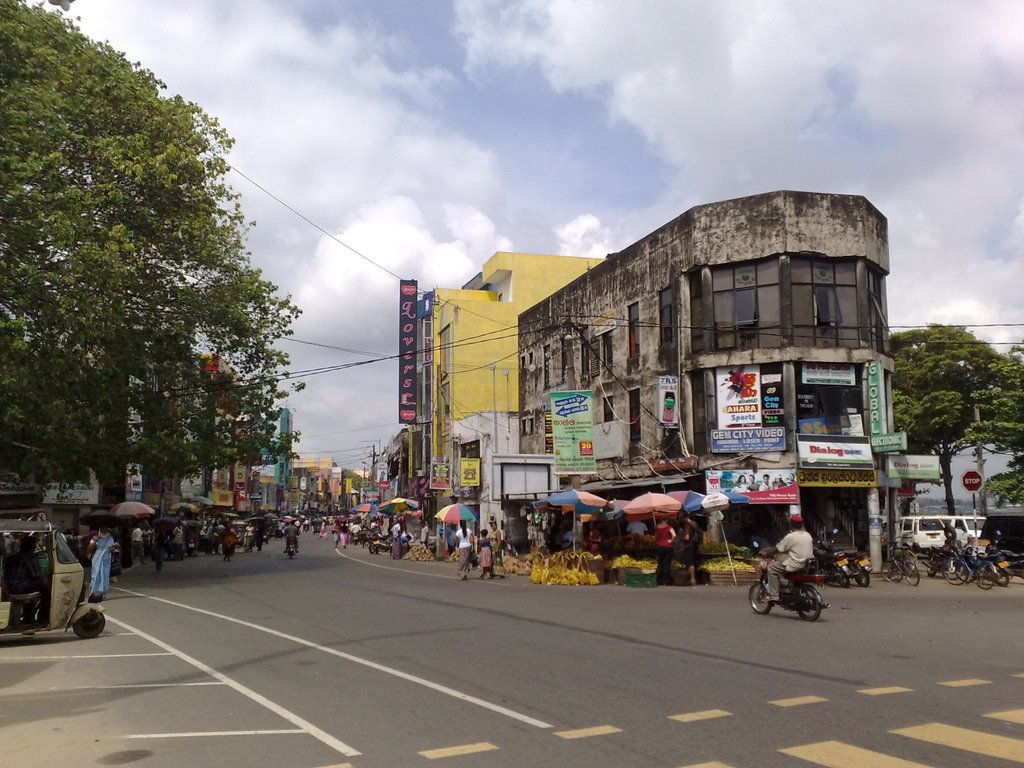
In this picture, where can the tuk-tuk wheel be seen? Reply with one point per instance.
(90, 625)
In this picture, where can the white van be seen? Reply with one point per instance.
(923, 531)
(966, 526)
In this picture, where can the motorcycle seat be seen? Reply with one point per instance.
(802, 576)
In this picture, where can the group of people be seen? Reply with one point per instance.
(486, 546)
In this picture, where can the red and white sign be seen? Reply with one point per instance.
(972, 480)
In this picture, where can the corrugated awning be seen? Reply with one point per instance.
(640, 482)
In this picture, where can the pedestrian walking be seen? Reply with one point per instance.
(138, 550)
(346, 534)
(229, 541)
(258, 538)
(248, 537)
(664, 534)
(486, 555)
(101, 552)
(465, 540)
(497, 548)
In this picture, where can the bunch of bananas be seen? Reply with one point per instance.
(626, 561)
(566, 568)
(419, 553)
(721, 565)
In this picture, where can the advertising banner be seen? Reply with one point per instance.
(840, 374)
(439, 476)
(753, 440)
(834, 452)
(668, 398)
(876, 399)
(914, 467)
(469, 476)
(889, 443)
(772, 407)
(572, 427)
(761, 486)
(836, 478)
(739, 397)
(407, 352)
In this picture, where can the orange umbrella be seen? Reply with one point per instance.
(651, 503)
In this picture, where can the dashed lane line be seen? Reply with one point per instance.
(277, 709)
(693, 717)
(586, 733)
(836, 754)
(967, 740)
(966, 683)
(1010, 716)
(464, 749)
(885, 691)
(465, 697)
(797, 701)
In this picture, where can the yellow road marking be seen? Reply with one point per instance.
(1019, 674)
(966, 683)
(707, 714)
(836, 754)
(978, 742)
(708, 765)
(884, 691)
(339, 765)
(585, 733)
(465, 749)
(798, 701)
(1010, 715)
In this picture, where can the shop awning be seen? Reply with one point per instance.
(640, 482)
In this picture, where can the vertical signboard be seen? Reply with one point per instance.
(407, 352)
(876, 399)
(668, 398)
(739, 397)
(772, 408)
(572, 425)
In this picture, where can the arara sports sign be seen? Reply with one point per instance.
(834, 452)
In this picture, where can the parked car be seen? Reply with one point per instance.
(923, 532)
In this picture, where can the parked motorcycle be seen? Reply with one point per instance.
(832, 563)
(860, 569)
(799, 591)
(378, 544)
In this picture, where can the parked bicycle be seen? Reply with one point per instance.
(901, 563)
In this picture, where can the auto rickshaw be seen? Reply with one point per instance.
(58, 600)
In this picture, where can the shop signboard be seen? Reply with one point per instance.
(668, 398)
(749, 440)
(894, 442)
(913, 467)
(834, 452)
(222, 498)
(835, 374)
(836, 478)
(761, 486)
(469, 473)
(876, 400)
(772, 408)
(572, 426)
(407, 351)
(739, 397)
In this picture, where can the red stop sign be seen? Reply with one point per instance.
(971, 480)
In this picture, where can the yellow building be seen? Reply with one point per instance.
(472, 388)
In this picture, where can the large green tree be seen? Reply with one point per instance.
(1002, 427)
(942, 372)
(122, 261)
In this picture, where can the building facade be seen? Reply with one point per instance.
(742, 346)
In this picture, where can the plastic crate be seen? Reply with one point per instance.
(641, 580)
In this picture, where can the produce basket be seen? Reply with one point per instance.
(622, 573)
(724, 579)
(641, 580)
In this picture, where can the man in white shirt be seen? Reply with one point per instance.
(791, 554)
(637, 527)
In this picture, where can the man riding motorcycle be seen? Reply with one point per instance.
(291, 537)
(791, 555)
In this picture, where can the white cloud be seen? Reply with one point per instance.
(584, 236)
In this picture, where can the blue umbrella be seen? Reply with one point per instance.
(693, 501)
(580, 501)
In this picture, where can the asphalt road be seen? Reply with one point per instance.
(348, 658)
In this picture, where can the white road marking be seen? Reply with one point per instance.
(277, 709)
(198, 734)
(358, 660)
(90, 656)
(448, 576)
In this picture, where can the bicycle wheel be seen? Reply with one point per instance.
(891, 571)
(986, 575)
(956, 572)
(912, 572)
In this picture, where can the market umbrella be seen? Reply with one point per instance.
(714, 503)
(204, 501)
(454, 513)
(650, 503)
(691, 500)
(184, 508)
(132, 510)
(397, 504)
(363, 508)
(100, 518)
(580, 502)
(165, 523)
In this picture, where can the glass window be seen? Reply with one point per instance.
(825, 302)
(697, 320)
(745, 306)
(64, 553)
(666, 313)
(634, 416)
(606, 349)
(609, 409)
(740, 291)
(633, 315)
(846, 273)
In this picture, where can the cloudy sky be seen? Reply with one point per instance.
(424, 135)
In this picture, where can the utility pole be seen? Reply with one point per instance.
(979, 461)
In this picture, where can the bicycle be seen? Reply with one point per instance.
(901, 563)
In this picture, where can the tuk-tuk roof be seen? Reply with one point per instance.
(26, 526)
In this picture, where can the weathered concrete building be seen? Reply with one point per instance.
(733, 348)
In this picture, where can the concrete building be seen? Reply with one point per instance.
(469, 393)
(732, 348)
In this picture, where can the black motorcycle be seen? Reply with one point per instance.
(832, 563)
(799, 591)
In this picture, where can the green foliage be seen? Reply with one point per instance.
(1002, 427)
(122, 260)
(941, 373)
